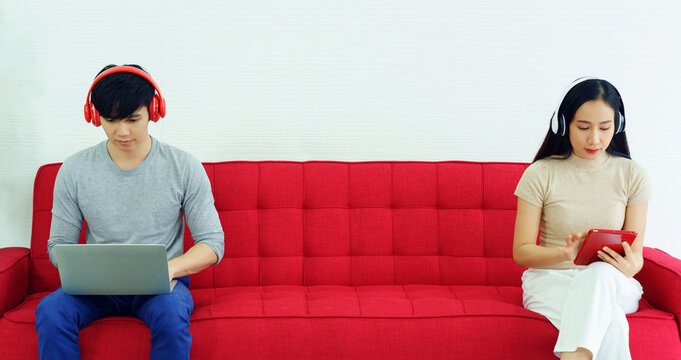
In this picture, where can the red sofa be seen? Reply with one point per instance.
(337, 260)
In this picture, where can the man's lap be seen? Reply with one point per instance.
(84, 309)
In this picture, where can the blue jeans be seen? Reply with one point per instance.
(59, 318)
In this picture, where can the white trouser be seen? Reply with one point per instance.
(587, 306)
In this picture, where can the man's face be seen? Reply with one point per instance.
(128, 134)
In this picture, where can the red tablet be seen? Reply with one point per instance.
(596, 239)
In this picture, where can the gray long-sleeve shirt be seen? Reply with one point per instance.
(144, 205)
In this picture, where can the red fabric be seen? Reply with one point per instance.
(44, 276)
(371, 260)
(369, 322)
(395, 222)
(661, 276)
(13, 277)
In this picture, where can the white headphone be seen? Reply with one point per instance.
(558, 124)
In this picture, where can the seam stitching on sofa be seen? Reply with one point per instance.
(16, 262)
(518, 315)
(415, 318)
(211, 307)
(302, 224)
(453, 293)
(437, 218)
(411, 302)
(359, 303)
(484, 226)
(262, 300)
(499, 292)
(349, 230)
(463, 307)
(392, 220)
(259, 226)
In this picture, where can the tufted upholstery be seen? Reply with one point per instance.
(332, 223)
(375, 260)
(326, 223)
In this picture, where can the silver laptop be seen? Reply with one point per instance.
(113, 269)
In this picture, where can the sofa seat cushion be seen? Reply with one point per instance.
(302, 322)
(386, 301)
(383, 301)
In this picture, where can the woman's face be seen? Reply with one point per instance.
(592, 128)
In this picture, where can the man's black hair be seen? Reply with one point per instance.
(119, 95)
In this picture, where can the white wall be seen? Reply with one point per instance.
(340, 80)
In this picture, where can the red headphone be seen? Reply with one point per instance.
(157, 107)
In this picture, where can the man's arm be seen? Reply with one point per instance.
(67, 219)
(61, 232)
(204, 223)
(197, 258)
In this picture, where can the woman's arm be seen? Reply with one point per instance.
(632, 261)
(526, 252)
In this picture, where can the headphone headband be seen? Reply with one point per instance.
(157, 107)
(559, 125)
(555, 118)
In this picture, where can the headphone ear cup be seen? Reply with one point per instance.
(620, 123)
(153, 109)
(91, 114)
(95, 116)
(86, 112)
(562, 125)
(558, 124)
(161, 105)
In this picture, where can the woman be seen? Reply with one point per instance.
(582, 178)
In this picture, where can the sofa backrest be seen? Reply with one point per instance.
(344, 223)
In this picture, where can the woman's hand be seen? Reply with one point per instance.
(572, 244)
(627, 265)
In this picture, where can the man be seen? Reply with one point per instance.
(130, 189)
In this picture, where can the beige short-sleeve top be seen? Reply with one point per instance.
(577, 194)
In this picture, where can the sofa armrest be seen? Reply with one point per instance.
(13, 277)
(661, 281)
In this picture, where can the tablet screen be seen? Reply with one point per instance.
(596, 239)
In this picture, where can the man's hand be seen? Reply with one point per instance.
(627, 265)
(197, 258)
(572, 244)
(171, 272)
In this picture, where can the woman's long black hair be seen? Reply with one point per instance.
(588, 90)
